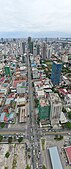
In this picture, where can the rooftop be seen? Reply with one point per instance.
(68, 153)
(55, 159)
(43, 102)
(17, 81)
(54, 97)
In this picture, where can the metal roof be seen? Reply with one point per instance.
(55, 159)
(68, 153)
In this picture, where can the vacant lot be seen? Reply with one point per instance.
(16, 158)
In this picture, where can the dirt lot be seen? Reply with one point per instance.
(16, 159)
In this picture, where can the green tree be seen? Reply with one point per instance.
(7, 154)
(44, 167)
(69, 115)
(2, 125)
(6, 168)
(64, 110)
(20, 139)
(1, 138)
(28, 167)
(36, 102)
(10, 140)
(68, 125)
(43, 143)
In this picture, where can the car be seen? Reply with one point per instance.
(69, 133)
(17, 137)
(49, 130)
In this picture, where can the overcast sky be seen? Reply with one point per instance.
(35, 15)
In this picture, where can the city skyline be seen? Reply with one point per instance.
(35, 18)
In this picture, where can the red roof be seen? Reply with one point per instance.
(17, 81)
(69, 91)
(68, 153)
(5, 118)
(63, 91)
(2, 79)
(11, 95)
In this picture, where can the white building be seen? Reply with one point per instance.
(35, 51)
(32, 58)
(56, 107)
(22, 109)
(20, 88)
(65, 58)
(68, 100)
(35, 73)
(23, 113)
(21, 101)
(63, 118)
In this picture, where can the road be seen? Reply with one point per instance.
(24, 130)
(36, 157)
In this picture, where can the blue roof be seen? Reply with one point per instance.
(55, 159)
(2, 117)
(11, 116)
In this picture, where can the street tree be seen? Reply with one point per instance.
(20, 139)
(44, 167)
(1, 138)
(28, 167)
(2, 125)
(7, 154)
(10, 140)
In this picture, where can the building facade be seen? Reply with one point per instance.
(44, 109)
(56, 107)
(56, 73)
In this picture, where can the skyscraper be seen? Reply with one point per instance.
(44, 51)
(56, 73)
(38, 49)
(31, 47)
(23, 47)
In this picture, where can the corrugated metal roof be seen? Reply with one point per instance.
(68, 153)
(55, 159)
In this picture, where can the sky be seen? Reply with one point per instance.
(35, 16)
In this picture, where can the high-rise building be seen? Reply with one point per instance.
(49, 51)
(38, 49)
(24, 58)
(29, 40)
(7, 70)
(56, 72)
(35, 51)
(23, 47)
(56, 107)
(44, 109)
(31, 47)
(44, 51)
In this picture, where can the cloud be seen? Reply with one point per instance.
(35, 15)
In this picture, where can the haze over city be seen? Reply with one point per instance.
(37, 18)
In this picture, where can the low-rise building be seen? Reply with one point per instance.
(35, 73)
(40, 94)
(21, 87)
(21, 101)
(68, 100)
(23, 113)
